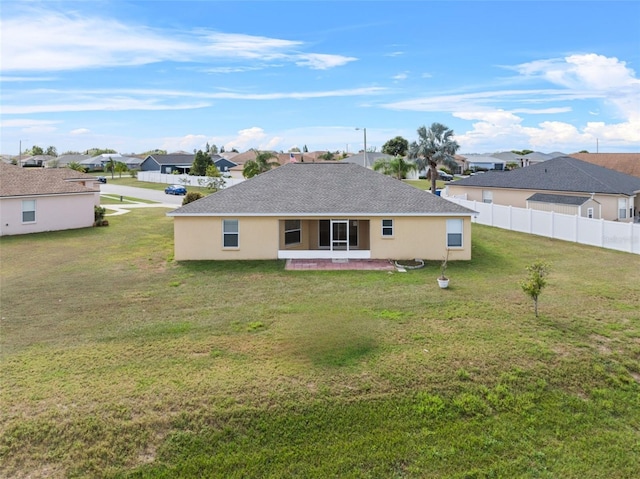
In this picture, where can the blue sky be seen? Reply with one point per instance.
(138, 75)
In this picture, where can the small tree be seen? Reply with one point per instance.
(535, 282)
(201, 161)
(213, 179)
(397, 146)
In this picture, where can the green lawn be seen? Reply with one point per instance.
(128, 181)
(117, 361)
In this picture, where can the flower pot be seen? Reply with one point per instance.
(443, 283)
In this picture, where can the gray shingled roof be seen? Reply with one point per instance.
(18, 181)
(559, 174)
(559, 199)
(314, 189)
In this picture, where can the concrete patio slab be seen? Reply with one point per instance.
(331, 265)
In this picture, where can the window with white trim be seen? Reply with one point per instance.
(230, 234)
(292, 232)
(487, 196)
(387, 228)
(589, 212)
(454, 233)
(28, 211)
(622, 208)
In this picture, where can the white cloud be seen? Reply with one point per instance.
(400, 76)
(606, 77)
(80, 131)
(152, 100)
(318, 61)
(576, 78)
(52, 41)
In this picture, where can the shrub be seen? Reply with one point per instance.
(98, 213)
(191, 197)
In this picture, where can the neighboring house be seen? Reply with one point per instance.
(180, 162)
(616, 194)
(322, 210)
(96, 163)
(371, 158)
(482, 162)
(36, 161)
(627, 163)
(224, 165)
(35, 200)
(64, 160)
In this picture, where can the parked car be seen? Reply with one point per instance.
(102, 179)
(444, 176)
(175, 190)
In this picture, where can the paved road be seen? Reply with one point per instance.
(142, 193)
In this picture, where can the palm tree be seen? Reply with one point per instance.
(74, 165)
(110, 165)
(398, 167)
(121, 167)
(435, 145)
(260, 164)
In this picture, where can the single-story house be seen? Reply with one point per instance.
(330, 210)
(64, 160)
(180, 162)
(616, 193)
(51, 199)
(96, 163)
(36, 161)
(483, 162)
(223, 164)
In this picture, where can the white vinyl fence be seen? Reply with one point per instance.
(605, 234)
(185, 180)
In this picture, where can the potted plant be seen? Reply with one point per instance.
(443, 281)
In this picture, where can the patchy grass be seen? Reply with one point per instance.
(118, 362)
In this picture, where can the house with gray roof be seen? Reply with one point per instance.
(33, 200)
(333, 210)
(180, 162)
(616, 194)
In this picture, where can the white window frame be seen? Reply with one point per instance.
(487, 196)
(622, 208)
(228, 232)
(590, 213)
(297, 229)
(387, 230)
(455, 227)
(28, 206)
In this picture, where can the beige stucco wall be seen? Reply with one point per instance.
(418, 237)
(53, 213)
(518, 198)
(200, 238)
